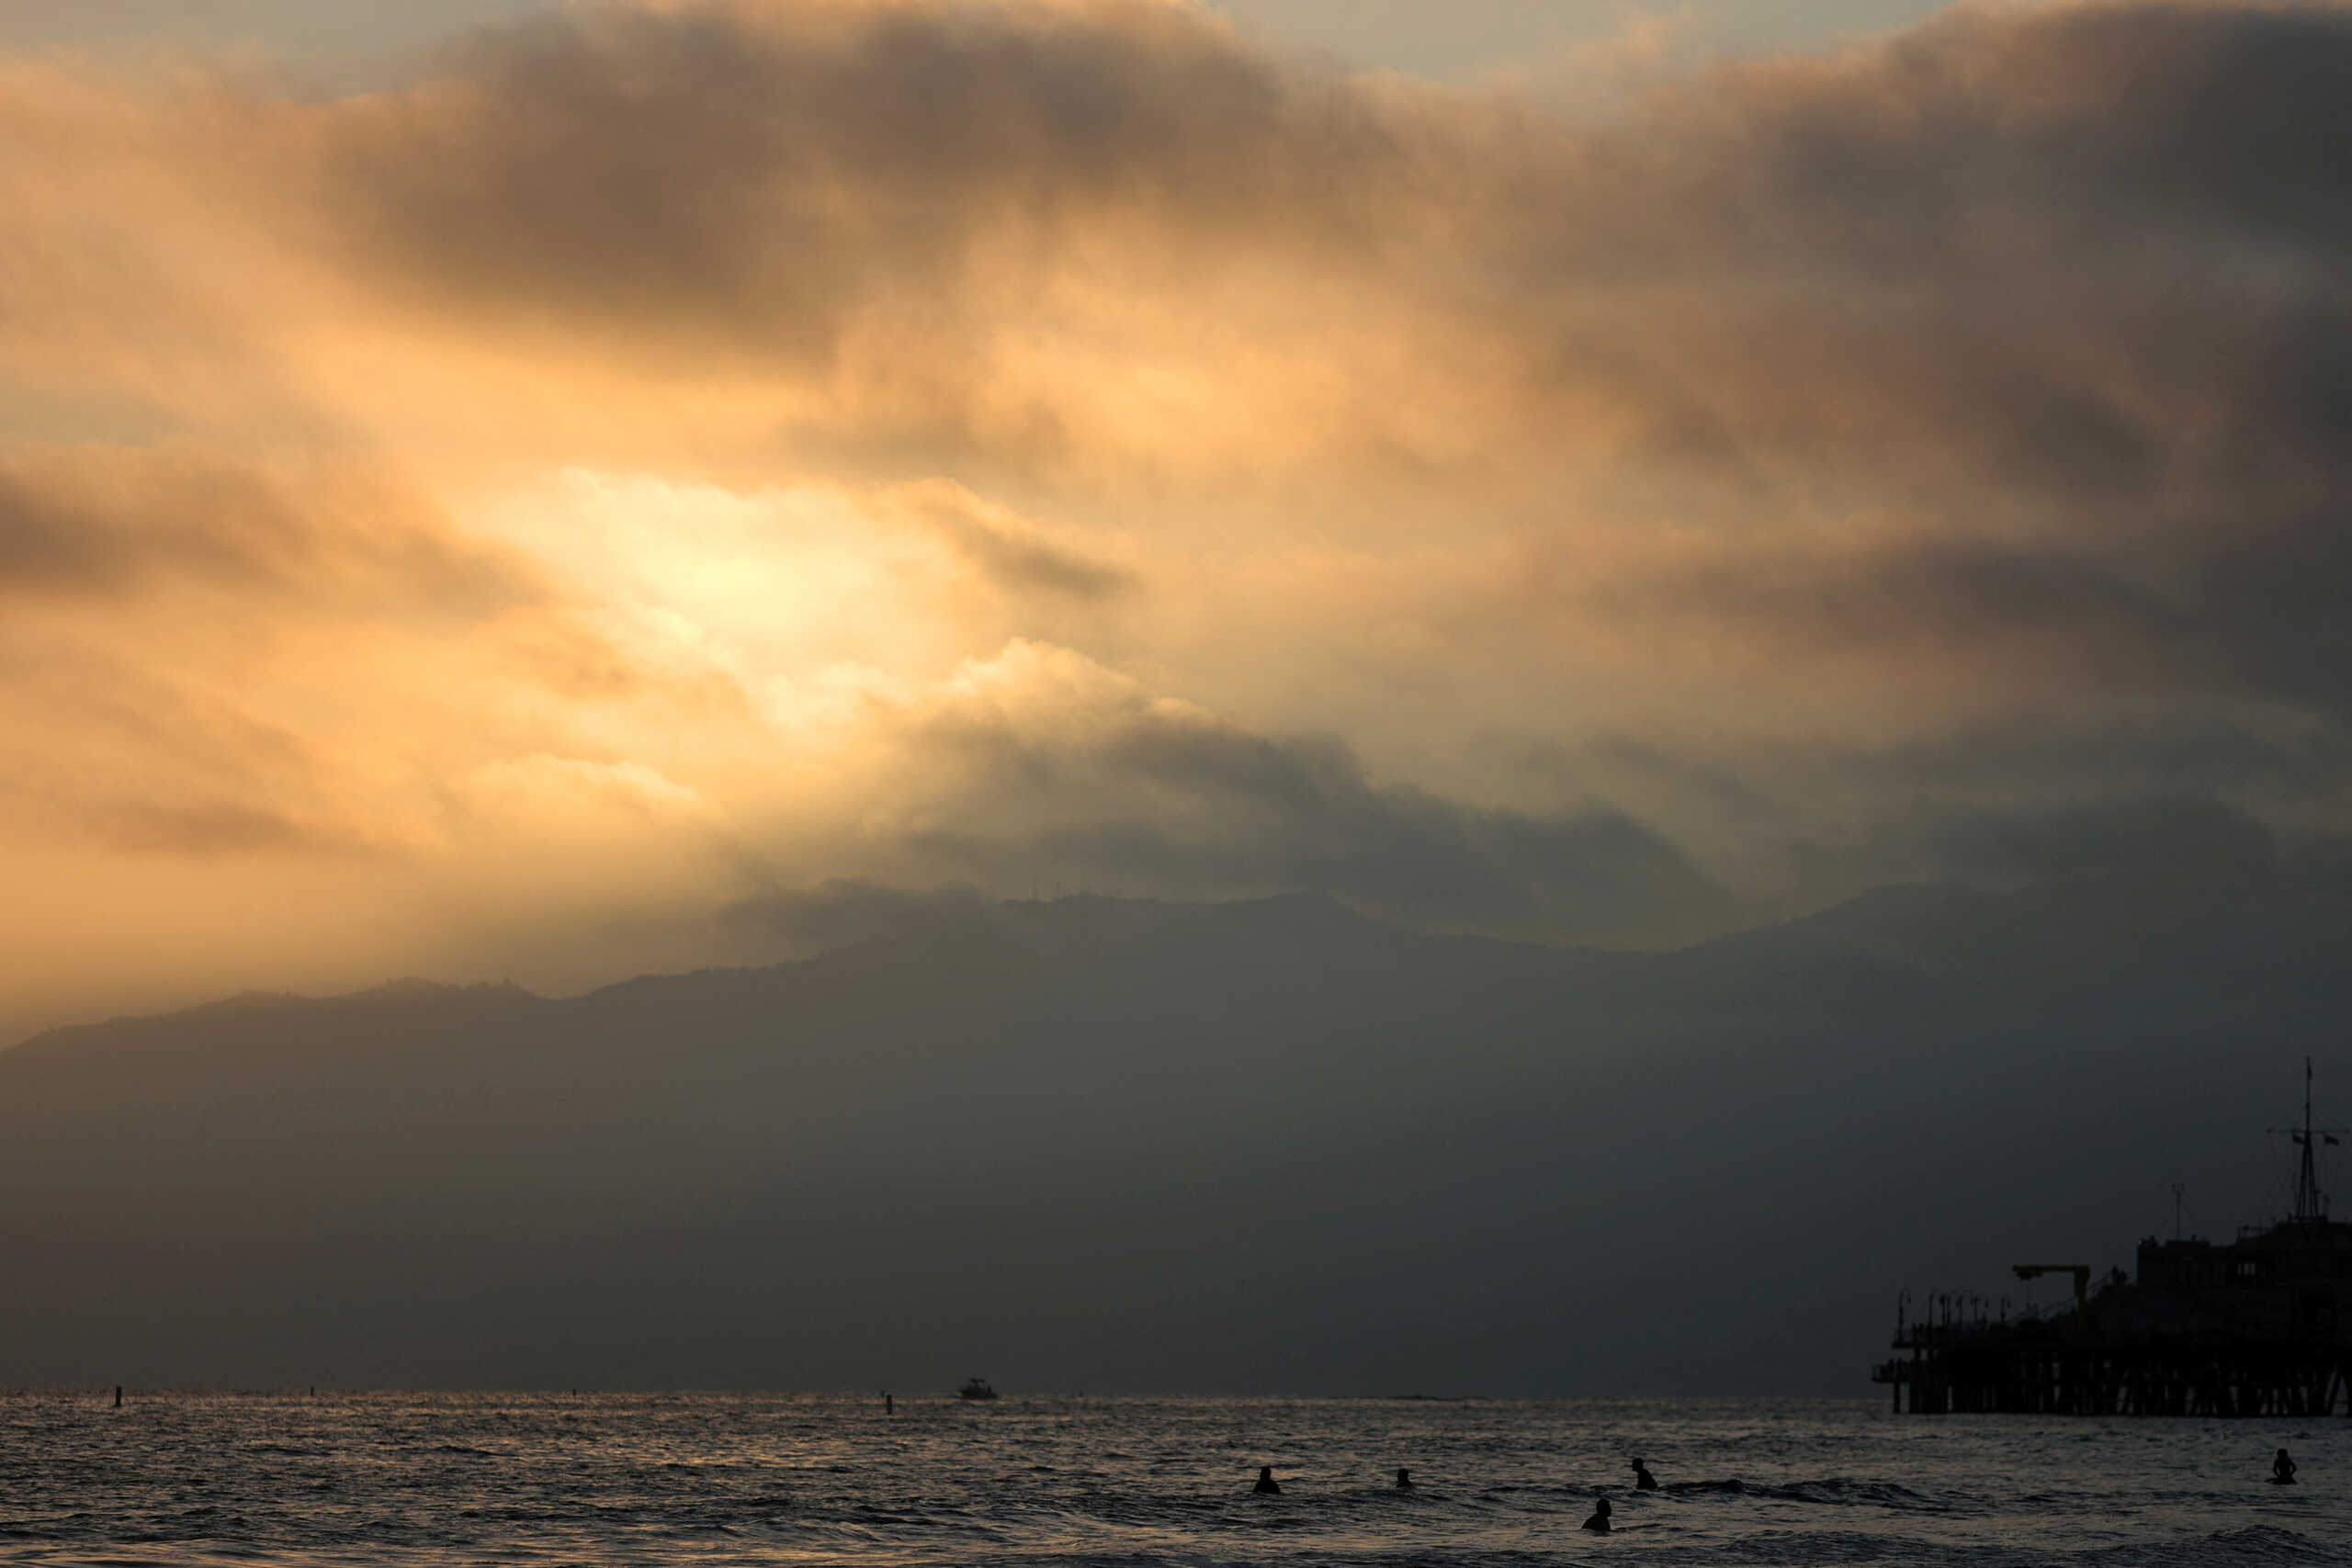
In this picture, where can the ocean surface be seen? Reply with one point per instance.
(708, 1479)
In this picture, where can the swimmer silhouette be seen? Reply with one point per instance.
(1599, 1522)
(1643, 1479)
(2282, 1470)
(1404, 1481)
(1266, 1482)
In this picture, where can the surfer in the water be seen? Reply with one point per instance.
(1267, 1485)
(2282, 1470)
(1599, 1522)
(1643, 1479)
(1404, 1481)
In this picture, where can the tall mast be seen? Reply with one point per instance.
(2311, 1203)
(2307, 1199)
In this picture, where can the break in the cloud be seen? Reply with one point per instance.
(657, 456)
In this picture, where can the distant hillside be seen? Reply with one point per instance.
(1266, 1146)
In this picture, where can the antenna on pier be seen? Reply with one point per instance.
(2177, 1190)
(2311, 1203)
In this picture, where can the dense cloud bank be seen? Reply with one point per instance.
(523, 518)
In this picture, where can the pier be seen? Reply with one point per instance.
(2259, 1327)
(2041, 1367)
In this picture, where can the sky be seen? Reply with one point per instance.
(500, 493)
(1460, 39)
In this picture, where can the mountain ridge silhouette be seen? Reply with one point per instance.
(1267, 1145)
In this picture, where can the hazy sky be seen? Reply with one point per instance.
(1436, 38)
(520, 506)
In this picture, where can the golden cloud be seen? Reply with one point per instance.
(657, 455)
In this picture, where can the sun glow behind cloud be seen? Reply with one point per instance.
(521, 520)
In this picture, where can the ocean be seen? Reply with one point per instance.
(184, 1479)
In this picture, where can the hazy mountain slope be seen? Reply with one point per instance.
(1266, 1146)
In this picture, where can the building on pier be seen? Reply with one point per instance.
(2259, 1327)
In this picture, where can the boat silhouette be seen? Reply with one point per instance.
(976, 1388)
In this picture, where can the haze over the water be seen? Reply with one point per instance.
(490, 491)
(1149, 1147)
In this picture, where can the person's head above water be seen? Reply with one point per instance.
(1403, 1478)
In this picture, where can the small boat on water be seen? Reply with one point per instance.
(976, 1388)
